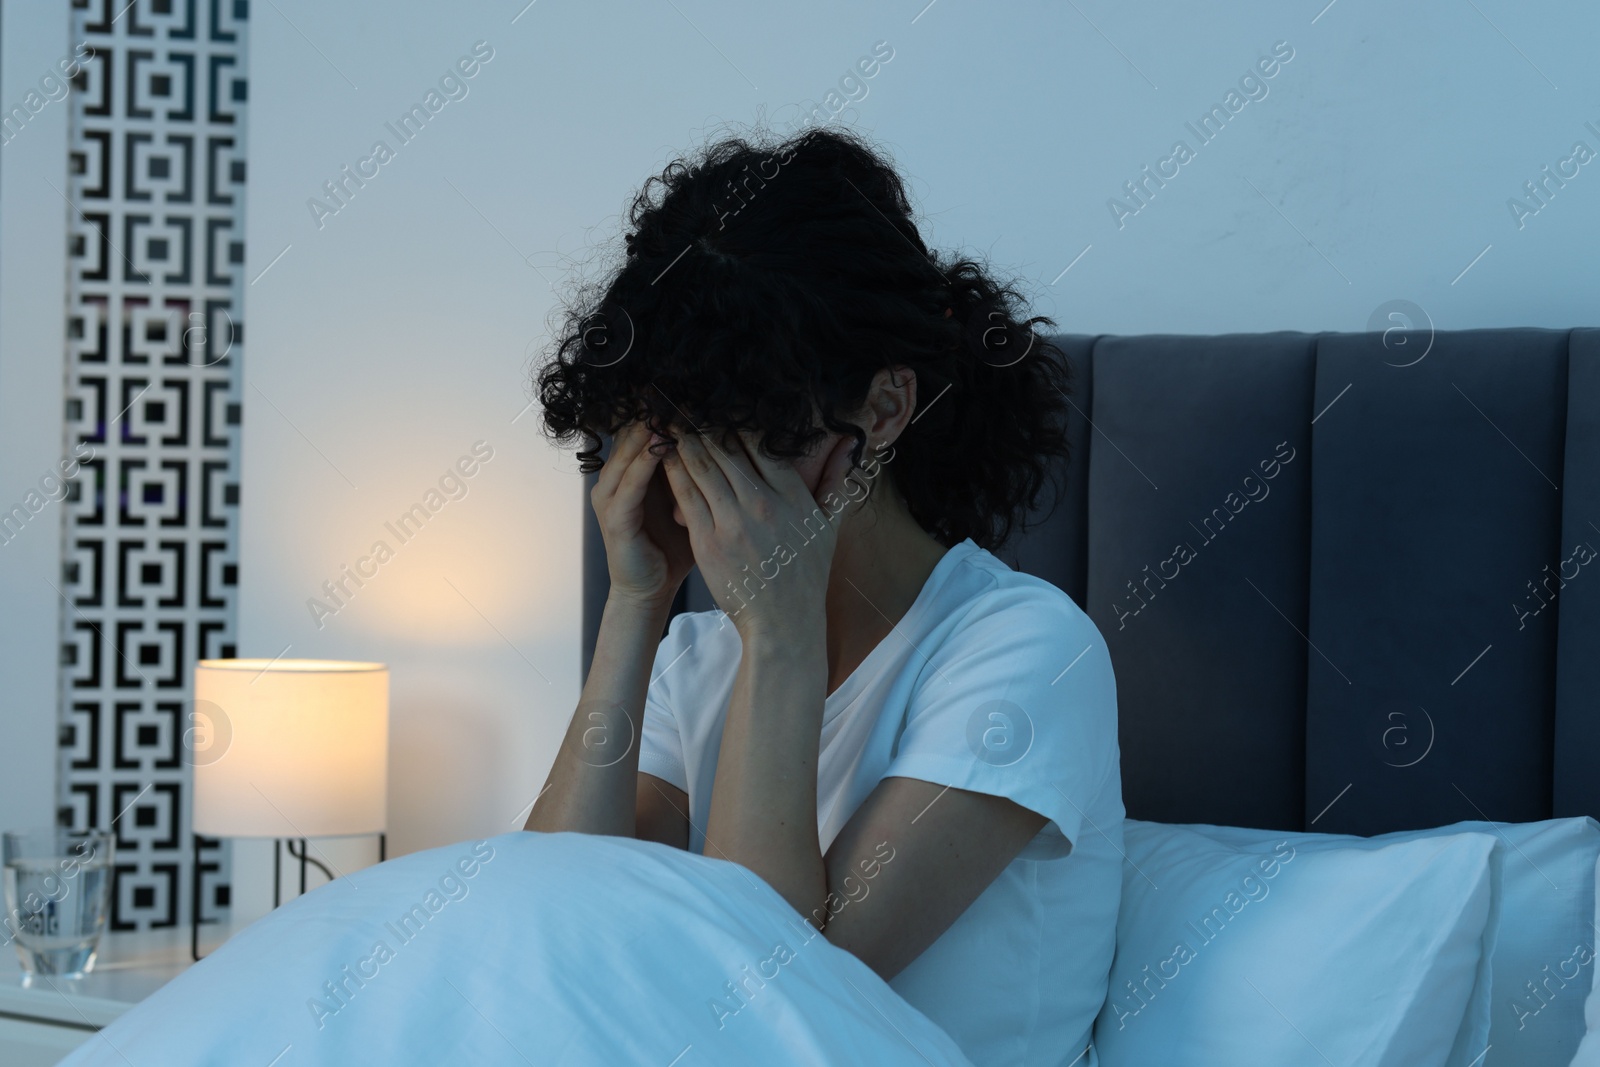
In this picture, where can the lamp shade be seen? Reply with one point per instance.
(291, 748)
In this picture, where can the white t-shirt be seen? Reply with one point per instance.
(995, 682)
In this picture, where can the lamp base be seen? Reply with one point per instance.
(278, 846)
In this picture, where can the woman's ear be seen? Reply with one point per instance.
(891, 403)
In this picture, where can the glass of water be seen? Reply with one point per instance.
(57, 886)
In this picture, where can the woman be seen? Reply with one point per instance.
(912, 743)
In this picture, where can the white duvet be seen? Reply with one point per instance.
(529, 948)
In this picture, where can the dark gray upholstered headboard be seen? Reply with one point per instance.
(1344, 588)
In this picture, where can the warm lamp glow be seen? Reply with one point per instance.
(295, 748)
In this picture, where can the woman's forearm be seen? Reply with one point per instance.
(593, 784)
(764, 796)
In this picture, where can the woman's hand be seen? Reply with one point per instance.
(763, 540)
(647, 553)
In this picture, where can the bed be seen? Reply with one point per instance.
(1345, 583)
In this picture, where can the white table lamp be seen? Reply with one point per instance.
(288, 748)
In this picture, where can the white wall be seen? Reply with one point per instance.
(33, 245)
(383, 344)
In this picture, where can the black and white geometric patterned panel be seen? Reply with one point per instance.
(155, 203)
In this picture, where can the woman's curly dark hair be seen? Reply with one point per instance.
(769, 283)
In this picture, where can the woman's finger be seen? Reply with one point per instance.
(730, 454)
(627, 499)
(691, 501)
(778, 474)
(624, 447)
(836, 472)
(706, 473)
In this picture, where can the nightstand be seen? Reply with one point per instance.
(39, 1025)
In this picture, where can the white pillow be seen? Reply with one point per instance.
(1546, 941)
(1472, 1036)
(1589, 1049)
(1273, 955)
(1545, 904)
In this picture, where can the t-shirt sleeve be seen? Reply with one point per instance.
(1019, 701)
(660, 743)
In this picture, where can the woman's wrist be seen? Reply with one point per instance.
(796, 652)
(631, 605)
(801, 635)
